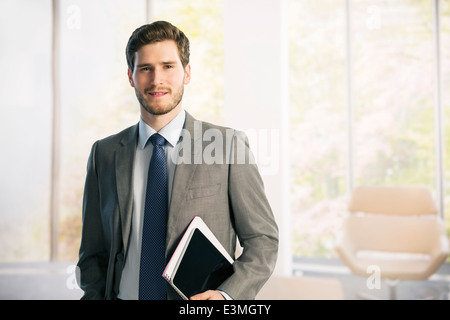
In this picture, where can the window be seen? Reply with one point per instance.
(25, 103)
(318, 123)
(363, 105)
(393, 92)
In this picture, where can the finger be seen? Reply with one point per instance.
(207, 295)
(200, 296)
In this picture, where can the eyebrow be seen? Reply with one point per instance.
(150, 64)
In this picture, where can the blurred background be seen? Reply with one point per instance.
(353, 92)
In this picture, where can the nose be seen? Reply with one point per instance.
(156, 77)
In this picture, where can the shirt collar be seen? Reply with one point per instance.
(171, 132)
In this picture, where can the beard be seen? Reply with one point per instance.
(155, 109)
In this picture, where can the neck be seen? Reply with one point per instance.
(157, 122)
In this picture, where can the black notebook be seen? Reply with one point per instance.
(199, 262)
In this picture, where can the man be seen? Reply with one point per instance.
(209, 179)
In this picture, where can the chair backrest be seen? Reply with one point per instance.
(400, 200)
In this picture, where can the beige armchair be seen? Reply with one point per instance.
(395, 230)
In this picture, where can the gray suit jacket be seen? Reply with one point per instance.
(228, 195)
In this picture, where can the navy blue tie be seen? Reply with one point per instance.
(152, 285)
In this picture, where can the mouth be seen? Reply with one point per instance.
(157, 94)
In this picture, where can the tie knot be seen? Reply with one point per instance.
(157, 140)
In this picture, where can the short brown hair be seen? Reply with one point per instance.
(156, 32)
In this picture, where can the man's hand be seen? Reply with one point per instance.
(208, 295)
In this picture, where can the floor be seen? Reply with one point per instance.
(56, 281)
(356, 287)
(38, 281)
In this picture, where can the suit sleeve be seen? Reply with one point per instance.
(92, 263)
(254, 223)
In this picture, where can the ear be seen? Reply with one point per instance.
(130, 77)
(187, 74)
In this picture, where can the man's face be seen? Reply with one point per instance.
(159, 77)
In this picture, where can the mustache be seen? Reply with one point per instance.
(154, 88)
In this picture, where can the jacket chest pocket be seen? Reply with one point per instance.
(202, 192)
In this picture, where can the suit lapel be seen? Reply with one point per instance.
(124, 162)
